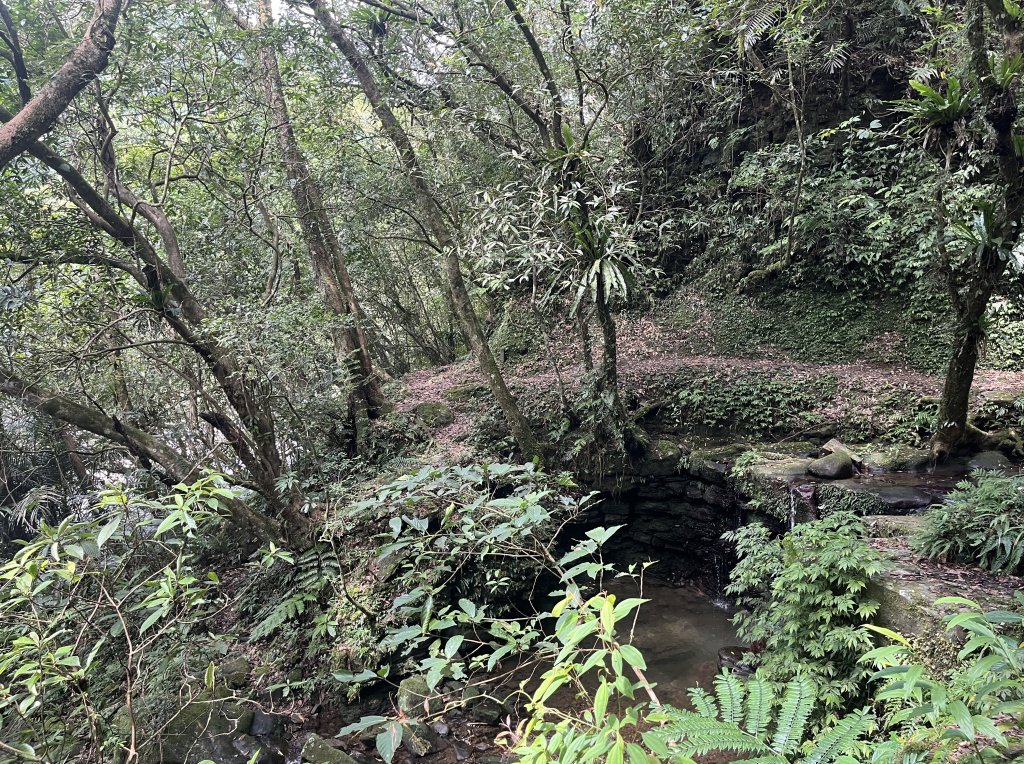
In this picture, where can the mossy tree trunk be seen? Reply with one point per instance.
(973, 282)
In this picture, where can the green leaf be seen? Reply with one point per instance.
(388, 740)
(453, 645)
(633, 657)
(107, 531)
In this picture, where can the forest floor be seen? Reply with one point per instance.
(652, 350)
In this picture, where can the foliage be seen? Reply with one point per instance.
(754, 718)
(755, 403)
(605, 672)
(970, 715)
(804, 603)
(979, 523)
(88, 607)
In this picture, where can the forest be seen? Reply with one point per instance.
(493, 381)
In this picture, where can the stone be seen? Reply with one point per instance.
(898, 459)
(419, 739)
(732, 658)
(316, 750)
(835, 466)
(414, 696)
(781, 472)
(235, 671)
(260, 751)
(663, 458)
(487, 710)
(989, 460)
(205, 728)
(440, 728)
(893, 526)
(434, 415)
(466, 392)
(835, 446)
(864, 498)
(264, 724)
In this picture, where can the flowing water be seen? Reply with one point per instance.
(680, 632)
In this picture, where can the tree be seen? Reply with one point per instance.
(436, 221)
(325, 249)
(40, 112)
(238, 407)
(969, 122)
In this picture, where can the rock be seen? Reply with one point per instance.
(203, 729)
(835, 446)
(461, 752)
(487, 710)
(265, 752)
(414, 696)
(440, 728)
(466, 392)
(989, 460)
(781, 472)
(235, 671)
(898, 459)
(835, 466)
(731, 658)
(264, 724)
(866, 499)
(663, 458)
(419, 739)
(893, 526)
(316, 750)
(434, 415)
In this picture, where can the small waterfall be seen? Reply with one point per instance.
(792, 506)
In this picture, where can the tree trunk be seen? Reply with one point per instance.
(956, 392)
(325, 250)
(86, 61)
(434, 218)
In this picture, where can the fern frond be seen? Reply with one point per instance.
(797, 704)
(840, 739)
(704, 702)
(760, 700)
(730, 694)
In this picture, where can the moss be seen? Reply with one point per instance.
(834, 498)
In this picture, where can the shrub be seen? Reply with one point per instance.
(804, 602)
(981, 523)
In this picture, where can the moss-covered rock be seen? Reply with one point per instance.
(317, 751)
(835, 466)
(414, 696)
(434, 415)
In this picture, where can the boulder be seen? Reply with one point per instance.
(835, 446)
(732, 658)
(264, 724)
(235, 671)
(835, 466)
(414, 696)
(434, 415)
(420, 740)
(898, 459)
(205, 728)
(989, 460)
(316, 750)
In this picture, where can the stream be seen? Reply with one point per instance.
(679, 632)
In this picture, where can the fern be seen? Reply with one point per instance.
(297, 588)
(759, 706)
(797, 704)
(738, 721)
